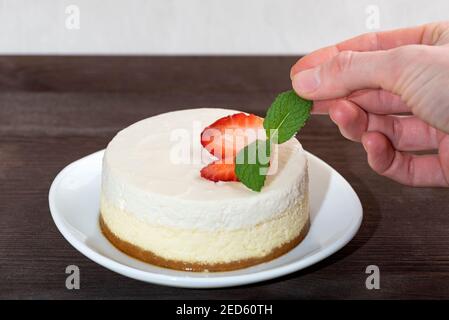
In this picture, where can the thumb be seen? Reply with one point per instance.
(346, 72)
(416, 73)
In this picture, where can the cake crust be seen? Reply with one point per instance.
(149, 257)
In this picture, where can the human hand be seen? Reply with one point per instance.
(365, 82)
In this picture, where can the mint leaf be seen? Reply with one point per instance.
(252, 163)
(286, 116)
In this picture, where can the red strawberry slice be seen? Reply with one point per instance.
(219, 171)
(228, 135)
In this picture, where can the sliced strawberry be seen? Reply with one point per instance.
(219, 171)
(228, 135)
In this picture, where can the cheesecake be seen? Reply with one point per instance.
(157, 206)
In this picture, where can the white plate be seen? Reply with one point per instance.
(336, 215)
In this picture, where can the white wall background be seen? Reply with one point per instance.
(199, 26)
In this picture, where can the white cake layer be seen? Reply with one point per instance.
(141, 176)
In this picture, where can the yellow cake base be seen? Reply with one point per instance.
(150, 257)
(205, 250)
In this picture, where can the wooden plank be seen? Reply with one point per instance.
(54, 110)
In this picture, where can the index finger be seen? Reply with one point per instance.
(424, 34)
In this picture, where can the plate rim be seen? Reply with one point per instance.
(207, 282)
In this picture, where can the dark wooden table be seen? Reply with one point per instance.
(54, 110)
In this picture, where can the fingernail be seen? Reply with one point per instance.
(364, 142)
(365, 147)
(307, 81)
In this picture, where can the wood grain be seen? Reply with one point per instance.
(54, 110)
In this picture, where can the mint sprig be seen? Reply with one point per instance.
(252, 163)
(287, 114)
